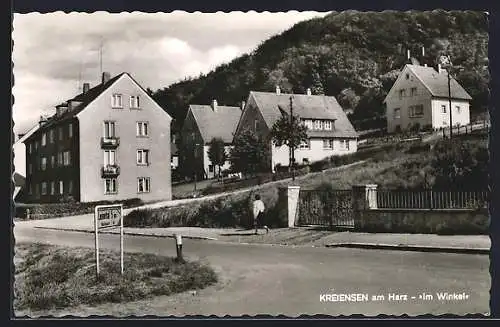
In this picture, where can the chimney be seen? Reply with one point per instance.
(72, 104)
(86, 87)
(42, 121)
(243, 103)
(106, 76)
(278, 90)
(60, 109)
(214, 105)
(308, 91)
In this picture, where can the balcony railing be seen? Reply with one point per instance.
(110, 142)
(110, 171)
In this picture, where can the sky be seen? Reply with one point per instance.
(55, 53)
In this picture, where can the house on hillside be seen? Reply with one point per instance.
(420, 99)
(201, 125)
(330, 131)
(111, 142)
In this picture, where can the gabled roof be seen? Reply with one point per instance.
(306, 106)
(85, 99)
(28, 133)
(437, 83)
(216, 123)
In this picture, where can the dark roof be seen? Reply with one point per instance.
(216, 123)
(437, 83)
(85, 99)
(305, 106)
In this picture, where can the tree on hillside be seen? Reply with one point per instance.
(290, 131)
(217, 153)
(250, 154)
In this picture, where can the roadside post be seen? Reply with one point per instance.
(178, 246)
(108, 217)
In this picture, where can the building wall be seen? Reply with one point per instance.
(186, 163)
(440, 119)
(158, 143)
(316, 152)
(393, 101)
(69, 175)
(20, 158)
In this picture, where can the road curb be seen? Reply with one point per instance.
(416, 248)
(127, 233)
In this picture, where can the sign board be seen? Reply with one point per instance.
(106, 217)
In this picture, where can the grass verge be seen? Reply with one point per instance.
(52, 277)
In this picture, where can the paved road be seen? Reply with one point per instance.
(262, 279)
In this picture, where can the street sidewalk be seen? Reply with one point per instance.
(300, 236)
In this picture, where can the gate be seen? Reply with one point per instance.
(326, 208)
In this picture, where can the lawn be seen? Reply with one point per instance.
(53, 277)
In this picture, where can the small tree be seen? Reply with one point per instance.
(290, 131)
(250, 154)
(217, 153)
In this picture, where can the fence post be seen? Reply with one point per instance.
(364, 197)
(289, 202)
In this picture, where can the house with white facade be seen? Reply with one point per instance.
(202, 124)
(420, 99)
(329, 130)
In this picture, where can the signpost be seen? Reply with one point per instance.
(107, 217)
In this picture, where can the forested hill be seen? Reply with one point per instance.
(354, 56)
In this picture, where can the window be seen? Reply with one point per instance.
(37, 189)
(309, 124)
(328, 125)
(413, 91)
(344, 144)
(256, 125)
(60, 159)
(402, 93)
(458, 109)
(60, 132)
(134, 101)
(44, 139)
(52, 188)
(305, 145)
(109, 158)
(116, 101)
(416, 111)
(328, 144)
(321, 124)
(110, 186)
(109, 129)
(70, 130)
(70, 187)
(51, 136)
(142, 129)
(30, 189)
(30, 168)
(30, 148)
(53, 161)
(143, 184)
(316, 124)
(36, 145)
(43, 164)
(61, 187)
(67, 158)
(210, 168)
(407, 76)
(143, 157)
(44, 188)
(443, 108)
(397, 113)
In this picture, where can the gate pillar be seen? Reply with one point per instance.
(364, 197)
(289, 199)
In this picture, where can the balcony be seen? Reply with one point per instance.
(110, 142)
(109, 171)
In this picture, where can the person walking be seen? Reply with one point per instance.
(258, 211)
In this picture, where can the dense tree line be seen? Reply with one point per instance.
(351, 55)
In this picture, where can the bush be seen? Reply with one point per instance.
(52, 210)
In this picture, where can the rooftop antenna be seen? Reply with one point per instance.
(101, 45)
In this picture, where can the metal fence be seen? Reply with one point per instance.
(327, 208)
(430, 199)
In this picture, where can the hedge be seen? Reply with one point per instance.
(54, 210)
(231, 211)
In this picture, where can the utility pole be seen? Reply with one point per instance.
(290, 144)
(449, 100)
(101, 45)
